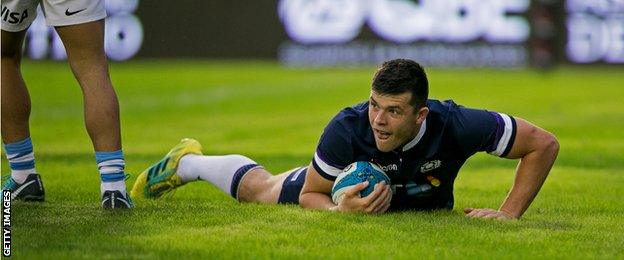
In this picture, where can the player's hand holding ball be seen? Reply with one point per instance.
(376, 202)
(362, 187)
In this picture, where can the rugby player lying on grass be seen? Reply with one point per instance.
(421, 144)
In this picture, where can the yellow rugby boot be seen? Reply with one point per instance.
(161, 177)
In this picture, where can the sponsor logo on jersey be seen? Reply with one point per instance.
(430, 166)
(391, 167)
(13, 17)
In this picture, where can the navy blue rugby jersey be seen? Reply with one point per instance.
(423, 170)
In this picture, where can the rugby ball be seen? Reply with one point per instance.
(355, 173)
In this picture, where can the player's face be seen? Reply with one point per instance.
(394, 120)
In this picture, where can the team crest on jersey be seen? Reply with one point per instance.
(429, 166)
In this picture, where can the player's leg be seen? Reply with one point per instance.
(84, 44)
(24, 183)
(261, 187)
(237, 175)
(15, 97)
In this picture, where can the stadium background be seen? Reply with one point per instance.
(262, 78)
(450, 33)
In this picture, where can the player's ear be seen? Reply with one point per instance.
(422, 115)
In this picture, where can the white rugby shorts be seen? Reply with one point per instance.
(17, 15)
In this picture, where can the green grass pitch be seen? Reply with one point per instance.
(275, 116)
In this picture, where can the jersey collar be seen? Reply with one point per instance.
(416, 139)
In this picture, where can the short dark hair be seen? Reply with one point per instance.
(398, 76)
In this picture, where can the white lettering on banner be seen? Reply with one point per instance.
(586, 38)
(600, 7)
(402, 21)
(595, 31)
(615, 53)
(433, 54)
(322, 21)
(123, 34)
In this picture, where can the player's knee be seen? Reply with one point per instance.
(552, 144)
(256, 187)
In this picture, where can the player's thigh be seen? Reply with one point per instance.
(261, 186)
(80, 25)
(252, 185)
(17, 15)
(290, 184)
(12, 45)
(83, 42)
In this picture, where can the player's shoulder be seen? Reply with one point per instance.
(442, 107)
(440, 112)
(352, 113)
(462, 123)
(348, 129)
(451, 118)
(353, 119)
(447, 111)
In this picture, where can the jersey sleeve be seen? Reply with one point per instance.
(482, 130)
(334, 151)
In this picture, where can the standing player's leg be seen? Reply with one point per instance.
(84, 44)
(236, 175)
(24, 183)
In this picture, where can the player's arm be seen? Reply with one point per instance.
(316, 191)
(537, 150)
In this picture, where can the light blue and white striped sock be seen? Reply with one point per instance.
(21, 159)
(111, 166)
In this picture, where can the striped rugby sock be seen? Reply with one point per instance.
(21, 159)
(111, 166)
